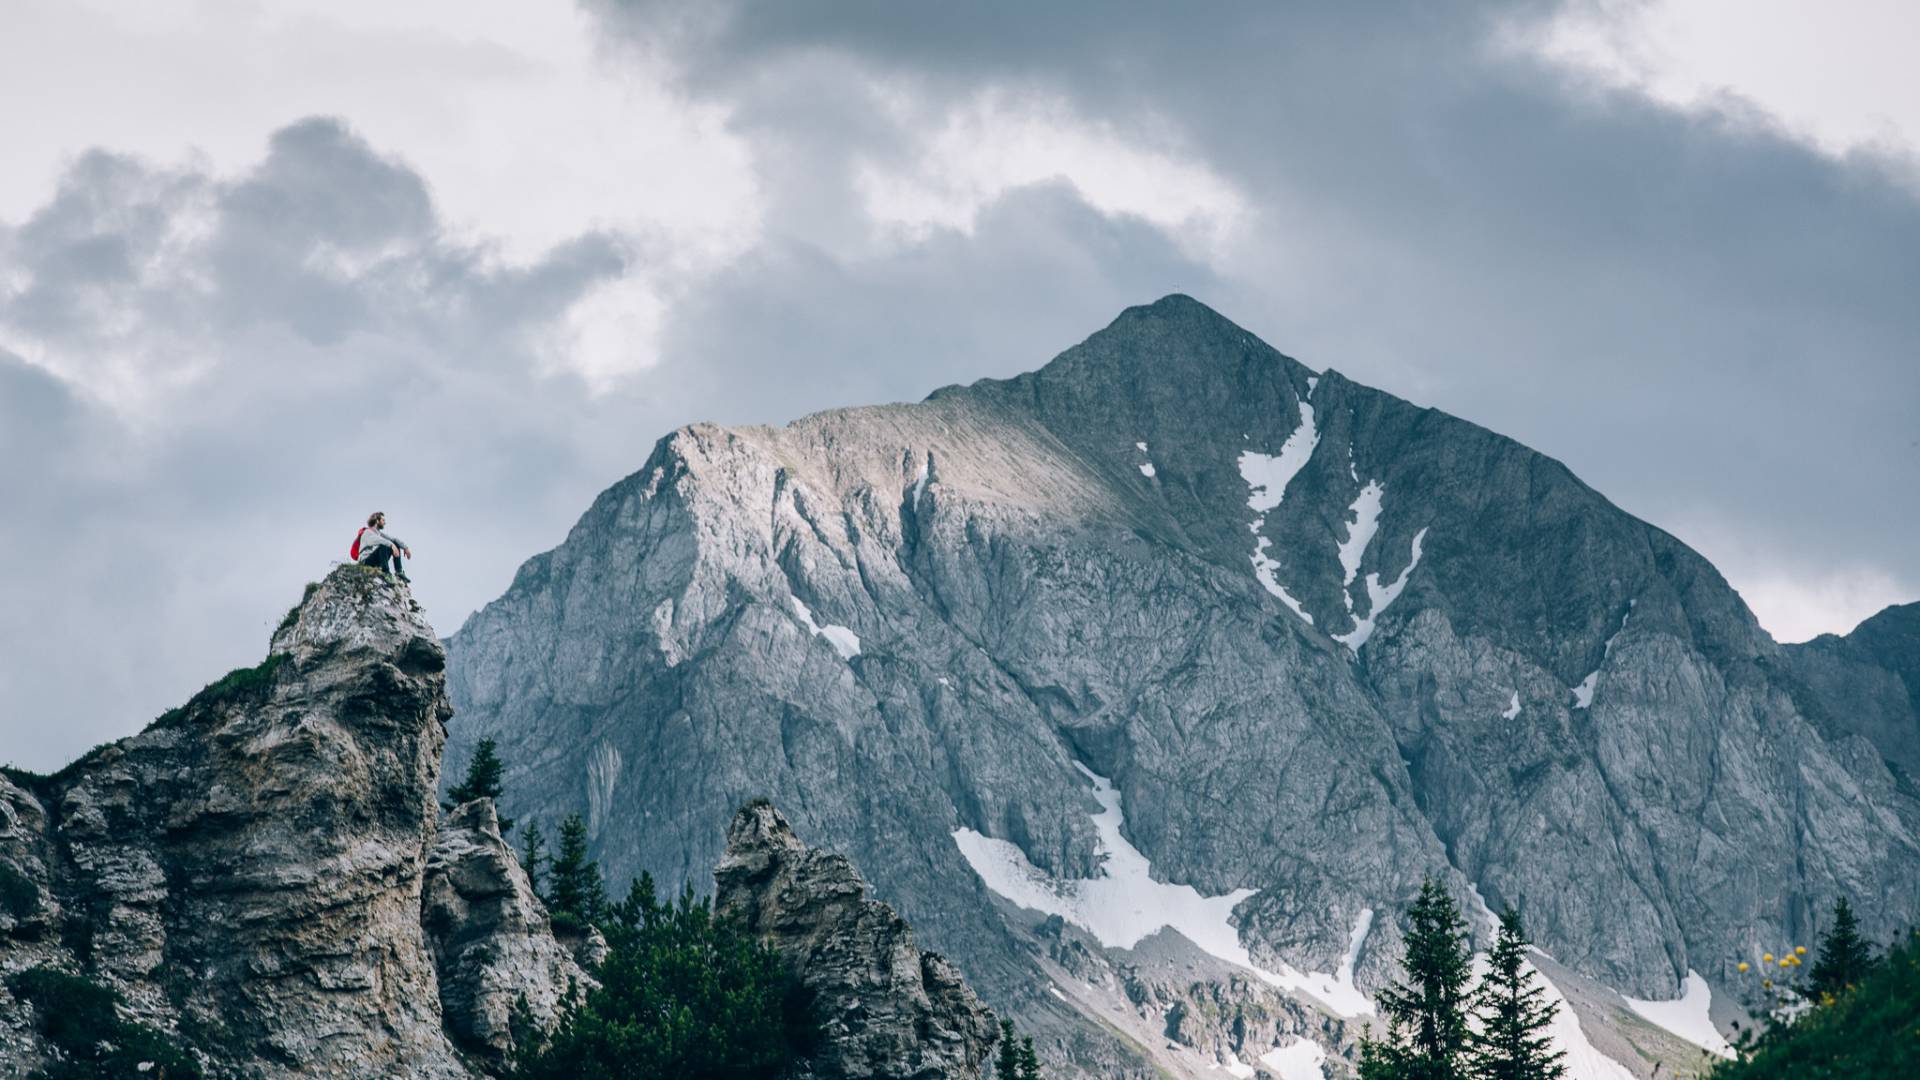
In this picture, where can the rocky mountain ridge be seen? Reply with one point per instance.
(1177, 610)
(265, 880)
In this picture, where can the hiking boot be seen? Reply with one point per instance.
(404, 578)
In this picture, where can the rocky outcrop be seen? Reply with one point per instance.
(1867, 683)
(1314, 641)
(886, 1010)
(247, 873)
(492, 944)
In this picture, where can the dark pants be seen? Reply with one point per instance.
(383, 555)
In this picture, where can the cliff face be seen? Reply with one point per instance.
(490, 938)
(247, 873)
(1177, 612)
(887, 1010)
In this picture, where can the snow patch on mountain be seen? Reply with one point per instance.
(844, 641)
(1687, 1015)
(1380, 598)
(1584, 1061)
(1267, 477)
(1300, 1060)
(1125, 904)
(1513, 707)
(1583, 693)
(1366, 522)
(920, 481)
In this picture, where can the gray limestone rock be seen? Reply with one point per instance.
(886, 1010)
(1321, 641)
(492, 944)
(247, 872)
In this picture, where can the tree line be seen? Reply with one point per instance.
(681, 993)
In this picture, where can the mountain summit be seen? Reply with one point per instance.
(1175, 664)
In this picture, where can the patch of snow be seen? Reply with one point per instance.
(1354, 940)
(1142, 447)
(1313, 381)
(1237, 1068)
(844, 641)
(1688, 1015)
(1300, 1061)
(1584, 1061)
(920, 482)
(1366, 522)
(1147, 470)
(1379, 599)
(1267, 477)
(1263, 568)
(1124, 904)
(1481, 908)
(1583, 694)
(1513, 707)
(942, 680)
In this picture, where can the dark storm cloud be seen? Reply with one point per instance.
(1710, 322)
(267, 359)
(335, 351)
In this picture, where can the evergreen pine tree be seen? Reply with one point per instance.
(1006, 1063)
(1029, 1062)
(1844, 954)
(1513, 1014)
(534, 857)
(482, 781)
(576, 896)
(1426, 1015)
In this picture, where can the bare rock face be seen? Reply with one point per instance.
(490, 937)
(888, 1009)
(1315, 642)
(247, 872)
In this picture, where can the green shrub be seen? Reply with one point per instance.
(24, 778)
(82, 1019)
(1870, 1030)
(293, 613)
(235, 684)
(19, 897)
(682, 994)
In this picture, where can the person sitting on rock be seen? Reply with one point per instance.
(380, 549)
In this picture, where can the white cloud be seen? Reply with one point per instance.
(1803, 604)
(525, 132)
(999, 141)
(1838, 75)
(1794, 597)
(609, 333)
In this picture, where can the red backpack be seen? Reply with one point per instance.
(354, 551)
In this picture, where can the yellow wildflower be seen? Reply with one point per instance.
(1766, 958)
(1799, 950)
(1743, 965)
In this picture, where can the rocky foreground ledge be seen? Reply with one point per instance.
(264, 879)
(247, 873)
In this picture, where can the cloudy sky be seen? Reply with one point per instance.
(266, 266)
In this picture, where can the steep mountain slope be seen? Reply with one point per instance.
(1176, 631)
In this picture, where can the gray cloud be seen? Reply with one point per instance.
(1709, 321)
(1706, 320)
(337, 351)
